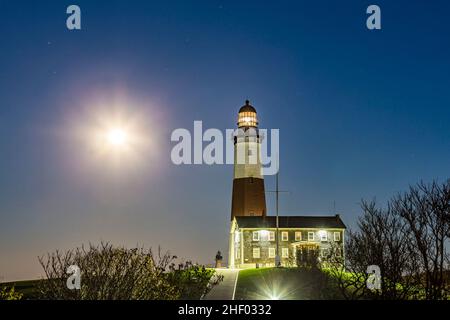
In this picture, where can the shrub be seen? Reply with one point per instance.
(112, 273)
(193, 281)
(7, 293)
(308, 258)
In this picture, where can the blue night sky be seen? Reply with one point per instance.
(362, 114)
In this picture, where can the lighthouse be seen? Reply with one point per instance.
(248, 182)
(260, 240)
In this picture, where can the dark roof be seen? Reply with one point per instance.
(247, 107)
(291, 222)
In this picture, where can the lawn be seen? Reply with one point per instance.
(285, 284)
(253, 284)
(27, 288)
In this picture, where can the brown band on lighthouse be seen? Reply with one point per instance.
(249, 198)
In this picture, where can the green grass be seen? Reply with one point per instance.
(253, 284)
(284, 284)
(27, 288)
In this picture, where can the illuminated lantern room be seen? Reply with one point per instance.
(247, 116)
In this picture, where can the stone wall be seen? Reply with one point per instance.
(264, 244)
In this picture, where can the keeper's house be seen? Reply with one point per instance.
(253, 239)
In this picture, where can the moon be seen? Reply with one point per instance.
(117, 137)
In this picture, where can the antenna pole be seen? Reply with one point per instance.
(277, 192)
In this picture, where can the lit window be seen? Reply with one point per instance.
(263, 235)
(256, 253)
(271, 236)
(337, 236)
(284, 236)
(298, 235)
(247, 119)
(310, 236)
(255, 236)
(285, 252)
(271, 252)
(323, 235)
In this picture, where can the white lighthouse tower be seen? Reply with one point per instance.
(249, 197)
(248, 183)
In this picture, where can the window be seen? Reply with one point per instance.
(238, 254)
(298, 235)
(263, 235)
(284, 236)
(250, 152)
(310, 236)
(323, 235)
(337, 236)
(247, 119)
(256, 253)
(255, 236)
(271, 236)
(285, 252)
(271, 252)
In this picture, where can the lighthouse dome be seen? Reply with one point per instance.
(247, 107)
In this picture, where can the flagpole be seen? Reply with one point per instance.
(277, 258)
